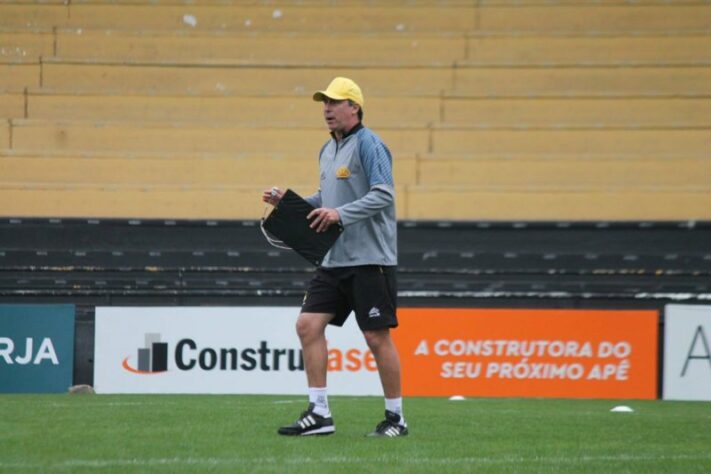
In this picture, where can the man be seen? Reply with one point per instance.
(358, 273)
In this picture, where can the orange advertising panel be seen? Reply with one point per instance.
(528, 353)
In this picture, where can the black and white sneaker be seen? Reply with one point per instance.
(390, 427)
(309, 423)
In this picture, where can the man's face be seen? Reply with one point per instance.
(340, 115)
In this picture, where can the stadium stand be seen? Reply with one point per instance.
(496, 109)
(544, 151)
(548, 153)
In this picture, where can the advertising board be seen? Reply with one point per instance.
(528, 353)
(220, 350)
(36, 348)
(687, 352)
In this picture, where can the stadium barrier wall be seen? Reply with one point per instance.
(563, 353)
(687, 352)
(505, 352)
(477, 352)
(219, 350)
(36, 348)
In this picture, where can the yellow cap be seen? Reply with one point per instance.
(341, 88)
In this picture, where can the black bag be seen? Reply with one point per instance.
(287, 222)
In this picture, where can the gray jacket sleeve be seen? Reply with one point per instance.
(314, 199)
(379, 197)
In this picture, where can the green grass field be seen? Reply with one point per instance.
(164, 433)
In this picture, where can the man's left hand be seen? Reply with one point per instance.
(323, 218)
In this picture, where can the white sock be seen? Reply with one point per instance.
(395, 405)
(319, 397)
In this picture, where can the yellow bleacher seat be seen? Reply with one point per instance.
(156, 169)
(59, 200)
(381, 17)
(576, 112)
(49, 2)
(175, 202)
(225, 81)
(12, 106)
(265, 49)
(220, 171)
(405, 170)
(570, 172)
(33, 16)
(515, 3)
(582, 82)
(581, 142)
(591, 17)
(17, 77)
(166, 170)
(264, 111)
(585, 51)
(24, 47)
(282, 17)
(133, 137)
(32, 135)
(4, 134)
(472, 203)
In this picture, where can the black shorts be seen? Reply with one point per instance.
(370, 291)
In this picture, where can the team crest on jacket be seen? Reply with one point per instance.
(343, 172)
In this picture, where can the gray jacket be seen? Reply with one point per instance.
(357, 180)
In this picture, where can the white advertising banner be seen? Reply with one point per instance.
(246, 350)
(687, 352)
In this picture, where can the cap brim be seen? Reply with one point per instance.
(321, 95)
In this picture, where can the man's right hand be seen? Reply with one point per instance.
(272, 196)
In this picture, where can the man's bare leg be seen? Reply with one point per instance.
(311, 329)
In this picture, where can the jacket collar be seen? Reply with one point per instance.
(350, 132)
